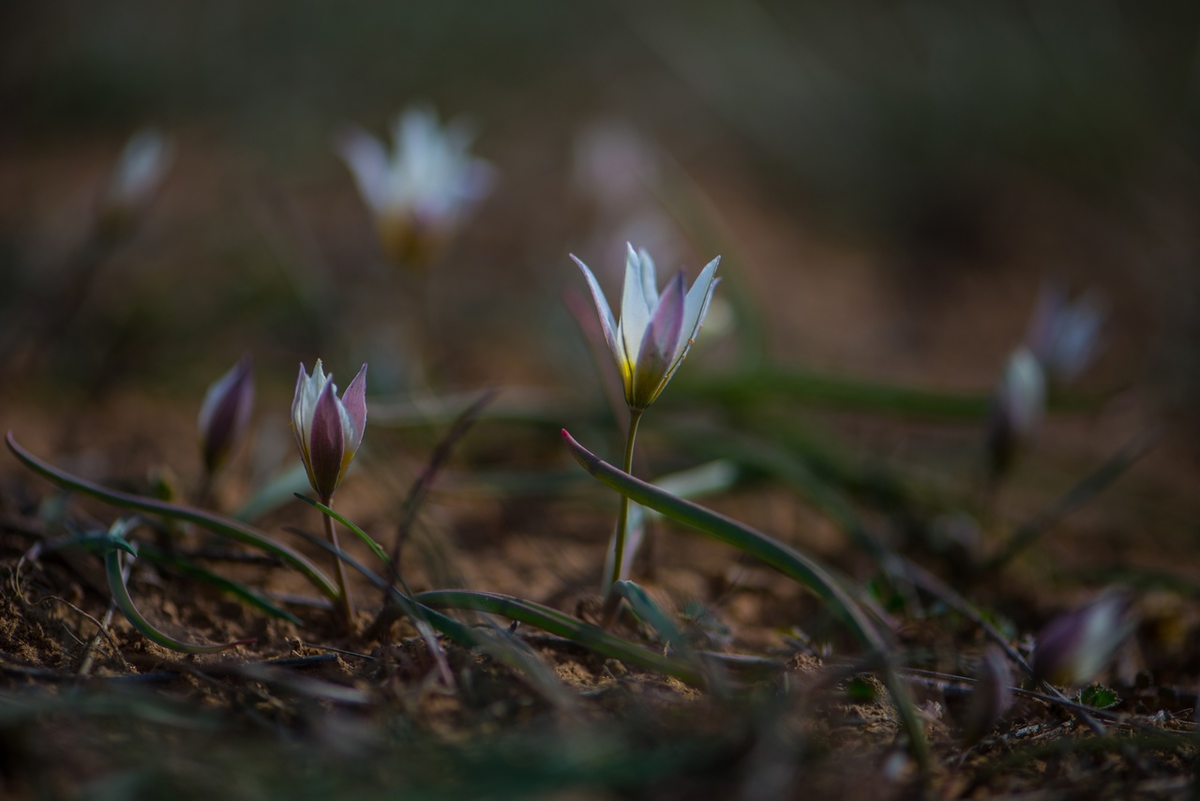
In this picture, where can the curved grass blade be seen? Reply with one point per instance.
(375, 547)
(563, 625)
(234, 588)
(120, 593)
(644, 607)
(212, 522)
(783, 558)
(491, 642)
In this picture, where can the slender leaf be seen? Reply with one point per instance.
(217, 524)
(120, 592)
(783, 558)
(563, 625)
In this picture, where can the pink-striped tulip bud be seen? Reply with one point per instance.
(328, 429)
(1075, 646)
(225, 414)
(655, 331)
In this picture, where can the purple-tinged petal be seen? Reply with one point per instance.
(698, 298)
(225, 414)
(354, 399)
(1076, 645)
(326, 443)
(657, 351)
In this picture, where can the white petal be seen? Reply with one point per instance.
(649, 279)
(602, 308)
(695, 306)
(368, 162)
(635, 308)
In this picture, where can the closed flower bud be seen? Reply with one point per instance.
(1075, 646)
(1018, 404)
(328, 429)
(139, 172)
(225, 414)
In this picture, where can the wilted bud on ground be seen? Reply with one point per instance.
(225, 414)
(1064, 334)
(1018, 404)
(419, 193)
(1075, 646)
(655, 332)
(992, 696)
(139, 172)
(328, 429)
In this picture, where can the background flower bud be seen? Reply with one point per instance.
(225, 414)
(1075, 646)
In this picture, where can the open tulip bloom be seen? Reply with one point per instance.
(419, 191)
(650, 341)
(328, 431)
(655, 331)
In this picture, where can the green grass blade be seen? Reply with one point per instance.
(783, 558)
(217, 524)
(838, 392)
(563, 625)
(120, 593)
(238, 590)
(375, 547)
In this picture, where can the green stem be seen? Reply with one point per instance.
(347, 606)
(635, 416)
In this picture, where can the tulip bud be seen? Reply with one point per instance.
(328, 429)
(139, 172)
(225, 414)
(1017, 407)
(1064, 334)
(1075, 646)
(992, 696)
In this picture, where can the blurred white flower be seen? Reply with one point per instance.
(1064, 334)
(419, 193)
(138, 173)
(1018, 403)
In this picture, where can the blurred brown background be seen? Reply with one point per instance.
(889, 182)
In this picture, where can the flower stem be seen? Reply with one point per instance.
(635, 416)
(347, 606)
